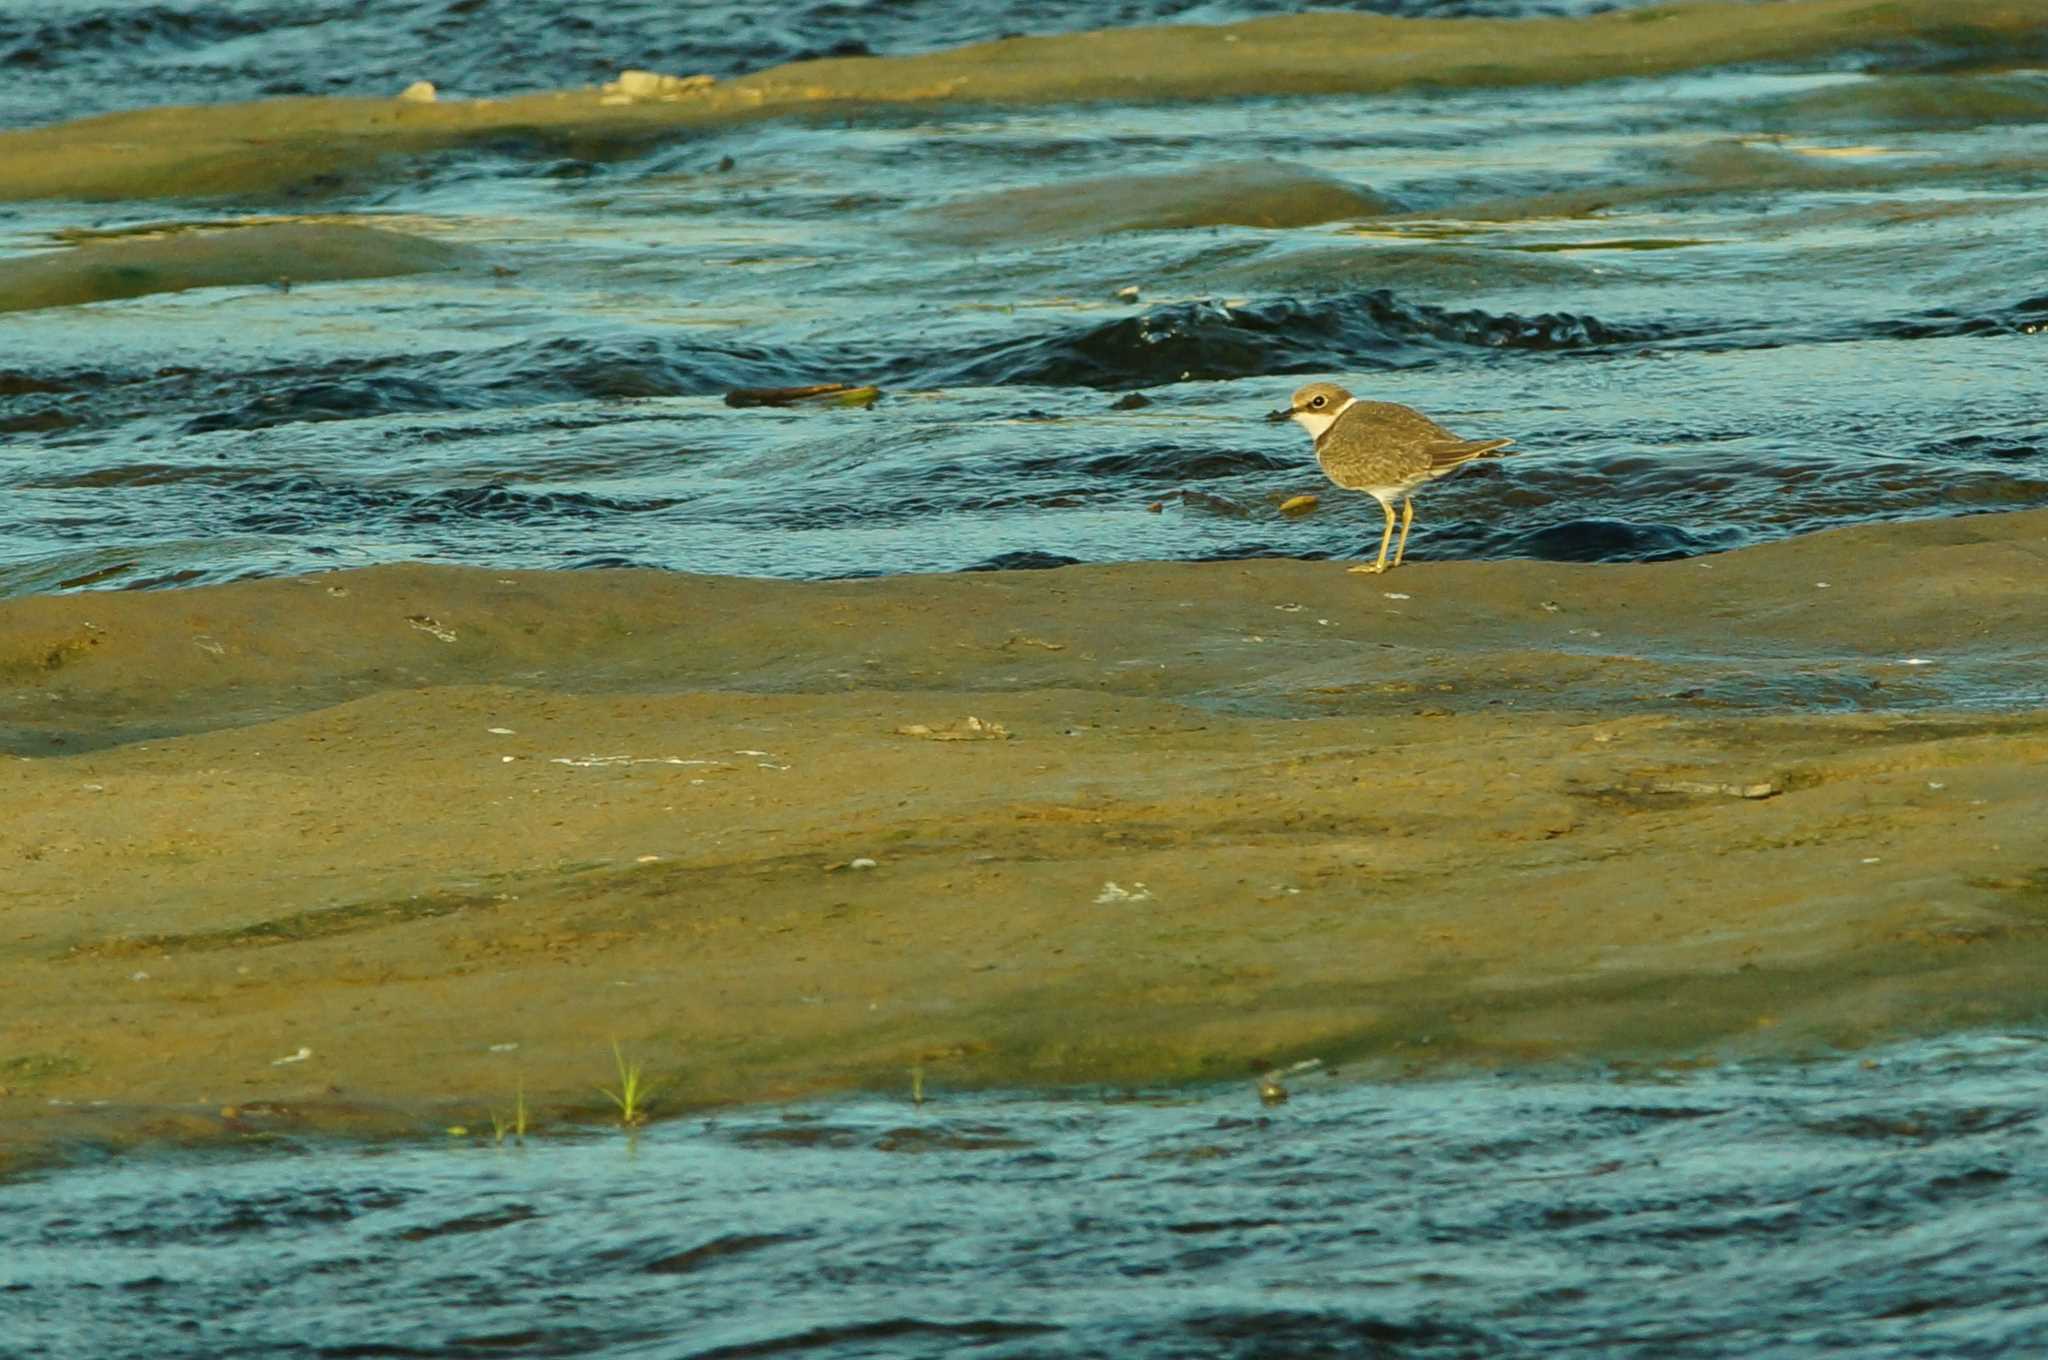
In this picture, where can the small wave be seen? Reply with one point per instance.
(2028, 317)
(1259, 1332)
(1212, 340)
(1174, 462)
(147, 474)
(1996, 448)
(302, 504)
(15, 383)
(498, 501)
(1609, 540)
(1024, 560)
(40, 421)
(719, 1249)
(575, 367)
(118, 32)
(875, 1338)
(620, 368)
(332, 399)
(531, 373)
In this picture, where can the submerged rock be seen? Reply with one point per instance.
(100, 268)
(635, 85)
(1270, 194)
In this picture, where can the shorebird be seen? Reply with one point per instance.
(1381, 449)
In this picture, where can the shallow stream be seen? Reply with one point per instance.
(1889, 1204)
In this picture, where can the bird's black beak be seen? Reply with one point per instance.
(1284, 413)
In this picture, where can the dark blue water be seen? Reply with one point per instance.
(1713, 308)
(1888, 1205)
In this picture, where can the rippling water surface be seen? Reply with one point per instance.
(1886, 1205)
(1713, 308)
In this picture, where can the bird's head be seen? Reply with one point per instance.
(1314, 407)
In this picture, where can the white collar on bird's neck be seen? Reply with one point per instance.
(1318, 423)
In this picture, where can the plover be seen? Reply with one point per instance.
(1381, 449)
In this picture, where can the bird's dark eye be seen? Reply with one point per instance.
(1319, 401)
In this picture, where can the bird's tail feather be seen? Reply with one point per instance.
(1464, 451)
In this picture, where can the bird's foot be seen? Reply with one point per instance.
(1368, 569)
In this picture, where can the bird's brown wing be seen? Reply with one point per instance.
(1445, 454)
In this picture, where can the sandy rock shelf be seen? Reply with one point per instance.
(449, 833)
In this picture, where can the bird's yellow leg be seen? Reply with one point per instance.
(1407, 518)
(1385, 538)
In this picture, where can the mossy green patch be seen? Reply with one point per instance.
(30, 1068)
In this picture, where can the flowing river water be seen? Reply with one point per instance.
(1888, 1204)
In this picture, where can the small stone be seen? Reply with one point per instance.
(635, 84)
(419, 92)
(862, 863)
(967, 729)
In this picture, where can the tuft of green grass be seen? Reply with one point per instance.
(516, 1125)
(631, 1097)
